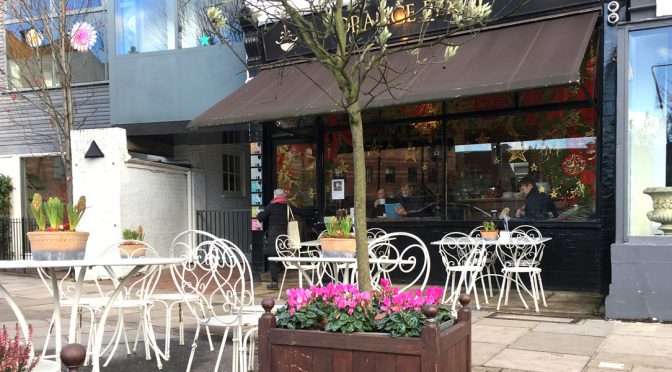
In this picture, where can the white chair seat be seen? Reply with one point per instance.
(173, 297)
(248, 319)
(521, 270)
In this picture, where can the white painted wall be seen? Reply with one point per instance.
(208, 158)
(11, 166)
(122, 192)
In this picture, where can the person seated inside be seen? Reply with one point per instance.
(411, 206)
(379, 204)
(538, 205)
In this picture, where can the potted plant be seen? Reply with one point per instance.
(14, 355)
(337, 325)
(662, 207)
(133, 245)
(338, 239)
(58, 241)
(489, 231)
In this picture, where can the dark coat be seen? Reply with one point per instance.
(274, 217)
(538, 205)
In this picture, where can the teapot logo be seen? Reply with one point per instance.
(287, 39)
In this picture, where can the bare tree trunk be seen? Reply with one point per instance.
(363, 272)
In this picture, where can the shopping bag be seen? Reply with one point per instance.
(293, 229)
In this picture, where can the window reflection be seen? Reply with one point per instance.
(649, 92)
(145, 25)
(491, 156)
(29, 55)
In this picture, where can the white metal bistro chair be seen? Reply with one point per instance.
(463, 259)
(409, 253)
(519, 257)
(182, 246)
(490, 265)
(219, 274)
(285, 246)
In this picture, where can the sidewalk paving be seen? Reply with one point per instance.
(566, 336)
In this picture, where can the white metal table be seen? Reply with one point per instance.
(137, 264)
(496, 242)
(345, 262)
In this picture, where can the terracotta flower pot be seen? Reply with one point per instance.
(489, 235)
(57, 245)
(132, 250)
(338, 247)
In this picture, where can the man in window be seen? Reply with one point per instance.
(538, 205)
(411, 204)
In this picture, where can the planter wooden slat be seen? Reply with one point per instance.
(438, 349)
(362, 361)
(375, 342)
(407, 363)
(384, 362)
(322, 360)
(341, 361)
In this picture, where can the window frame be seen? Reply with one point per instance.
(242, 191)
(622, 131)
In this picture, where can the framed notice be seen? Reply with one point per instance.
(256, 186)
(255, 161)
(255, 148)
(255, 173)
(256, 199)
(338, 189)
(257, 225)
(256, 209)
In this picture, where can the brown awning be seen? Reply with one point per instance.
(532, 55)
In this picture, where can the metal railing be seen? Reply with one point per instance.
(234, 225)
(14, 243)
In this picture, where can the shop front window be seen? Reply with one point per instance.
(295, 173)
(648, 122)
(488, 159)
(403, 165)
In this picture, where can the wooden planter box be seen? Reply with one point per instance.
(440, 348)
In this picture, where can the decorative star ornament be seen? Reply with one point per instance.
(205, 40)
(343, 167)
(534, 167)
(554, 193)
(497, 160)
(410, 155)
(542, 189)
(437, 153)
(517, 154)
(374, 150)
(311, 193)
(425, 167)
(483, 138)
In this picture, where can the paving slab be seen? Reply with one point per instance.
(638, 345)
(482, 352)
(538, 361)
(495, 334)
(642, 329)
(559, 343)
(508, 323)
(648, 369)
(632, 360)
(589, 327)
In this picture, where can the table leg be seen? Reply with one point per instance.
(17, 312)
(57, 313)
(101, 321)
(75, 305)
